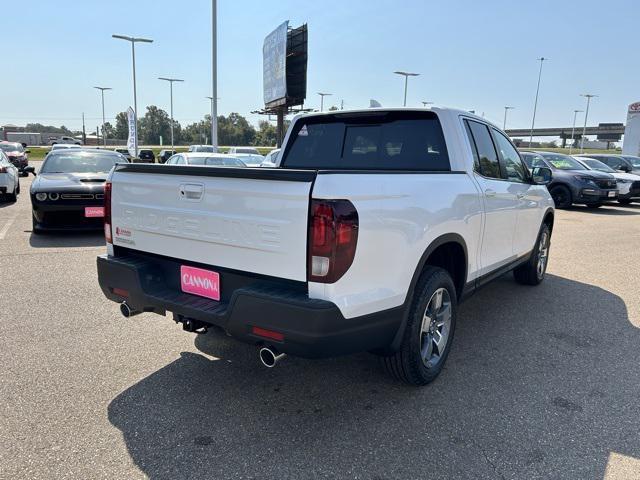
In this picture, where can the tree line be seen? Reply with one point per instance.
(233, 129)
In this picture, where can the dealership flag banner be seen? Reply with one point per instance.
(631, 143)
(131, 141)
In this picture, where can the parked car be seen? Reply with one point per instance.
(270, 158)
(124, 152)
(64, 139)
(147, 155)
(9, 178)
(68, 192)
(358, 242)
(250, 159)
(635, 162)
(203, 148)
(572, 182)
(60, 146)
(628, 183)
(164, 155)
(243, 151)
(17, 155)
(617, 162)
(204, 158)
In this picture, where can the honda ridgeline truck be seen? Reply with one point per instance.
(372, 228)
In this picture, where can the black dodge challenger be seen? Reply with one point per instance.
(68, 192)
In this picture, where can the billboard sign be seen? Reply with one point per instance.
(631, 143)
(274, 66)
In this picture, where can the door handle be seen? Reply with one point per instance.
(520, 195)
(489, 193)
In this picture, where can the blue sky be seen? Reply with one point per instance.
(471, 54)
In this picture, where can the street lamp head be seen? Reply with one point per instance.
(132, 39)
(509, 108)
(407, 74)
(170, 79)
(324, 94)
(103, 88)
(587, 95)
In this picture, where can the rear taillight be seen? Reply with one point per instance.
(107, 212)
(333, 235)
(3, 169)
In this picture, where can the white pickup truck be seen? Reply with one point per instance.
(372, 228)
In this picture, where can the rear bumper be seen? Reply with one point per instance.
(311, 328)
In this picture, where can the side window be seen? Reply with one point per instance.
(488, 165)
(614, 162)
(510, 159)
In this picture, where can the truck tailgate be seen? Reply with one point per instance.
(252, 220)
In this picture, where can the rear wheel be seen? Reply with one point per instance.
(13, 196)
(533, 272)
(624, 201)
(429, 331)
(561, 196)
(594, 205)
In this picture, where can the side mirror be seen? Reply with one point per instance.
(30, 170)
(624, 168)
(542, 176)
(27, 151)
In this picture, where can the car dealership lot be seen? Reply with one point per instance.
(541, 382)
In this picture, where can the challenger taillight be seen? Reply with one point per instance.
(333, 235)
(107, 212)
(3, 169)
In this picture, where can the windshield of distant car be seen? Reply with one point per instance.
(70, 161)
(635, 161)
(203, 148)
(563, 162)
(11, 147)
(251, 151)
(597, 165)
(533, 160)
(216, 161)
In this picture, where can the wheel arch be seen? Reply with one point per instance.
(444, 252)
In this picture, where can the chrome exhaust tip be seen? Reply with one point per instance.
(269, 357)
(127, 311)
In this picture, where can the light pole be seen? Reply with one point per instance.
(424, 104)
(171, 80)
(406, 76)
(104, 131)
(573, 128)
(535, 105)
(214, 74)
(133, 41)
(322, 95)
(504, 123)
(588, 96)
(211, 100)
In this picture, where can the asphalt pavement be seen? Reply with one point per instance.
(542, 382)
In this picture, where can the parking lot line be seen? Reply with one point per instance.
(6, 227)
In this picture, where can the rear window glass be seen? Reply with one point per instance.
(369, 141)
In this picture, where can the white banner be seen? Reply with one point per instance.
(131, 142)
(631, 142)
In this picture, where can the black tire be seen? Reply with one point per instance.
(18, 188)
(625, 201)
(13, 197)
(528, 273)
(561, 196)
(594, 205)
(34, 228)
(407, 364)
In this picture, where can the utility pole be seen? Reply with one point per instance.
(84, 133)
(322, 95)
(588, 96)
(171, 80)
(573, 129)
(535, 105)
(406, 79)
(214, 74)
(133, 41)
(104, 131)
